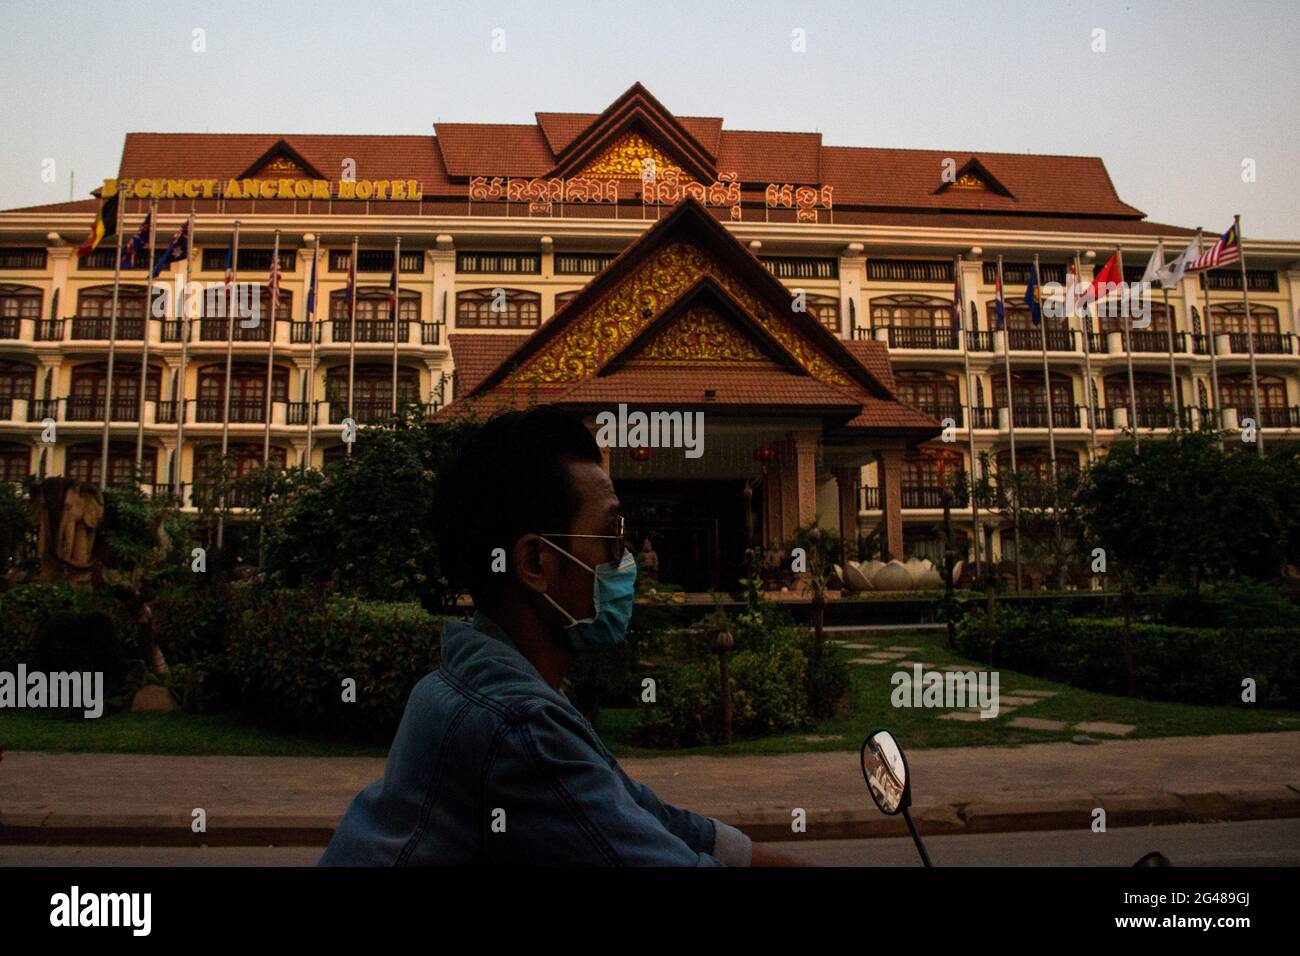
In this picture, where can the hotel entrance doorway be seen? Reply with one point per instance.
(696, 528)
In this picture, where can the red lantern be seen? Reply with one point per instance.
(640, 455)
(764, 455)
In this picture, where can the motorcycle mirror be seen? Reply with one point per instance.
(885, 769)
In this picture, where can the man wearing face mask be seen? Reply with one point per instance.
(492, 765)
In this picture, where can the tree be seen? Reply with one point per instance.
(821, 548)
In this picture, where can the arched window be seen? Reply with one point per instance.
(15, 461)
(94, 318)
(934, 393)
(90, 382)
(18, 302)
(372, 391)
(1027, 388)
(926, 472)
(1202, 395)
(911, 311)
(498, 308)
(1231, 317)
(84, 462)
(1154, 403)
(564, 298)
(825, 309)
(1196, 321)
(215, 308)
(374, 305)
(1036, 462)
(245, 457)
(1235, 392)
(247, 391)
(1160, 319)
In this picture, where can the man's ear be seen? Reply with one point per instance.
(531, 559)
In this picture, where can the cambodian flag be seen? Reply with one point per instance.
(1032, 293)
(999, 303)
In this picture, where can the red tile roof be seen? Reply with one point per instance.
(475, 354)
(685, 387)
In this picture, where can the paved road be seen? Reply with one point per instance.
(1254, 843)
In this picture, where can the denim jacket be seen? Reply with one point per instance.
(492, 766)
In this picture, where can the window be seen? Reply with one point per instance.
(1160, 319)
(507, 262)
(96, 302)
(909, 270)
(247, 391)
(911, 311)
(372, 306)
(372, 391)
(84, 462)
(23, 258)
(1027, 387)
(1232, 318)
(376, 260)
(246, 456)
(922, 469)
(90, 382)
(825, 309)
(1261, 280)
(1235, 392)
(1037, 463)
(251, 260)
(104, 258)
(17, 380)
(802, 267)
(15, 461)
(498, 308)
(581, 263)
(931, 392)
(18, 302)
(1153, 394)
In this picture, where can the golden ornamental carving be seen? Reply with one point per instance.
(700, 336)
(623, 160)
(280, 165)
(968, 181)
(591, 339)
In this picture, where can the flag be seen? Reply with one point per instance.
(177, 249)
(392, 291)
(999, 302)
(1072, 287)
(311, 292)
(350, 292)
(105, 225)
(1173, 273)
(956, 306)
(230, 262)
(273, 285)
(1033, 295)
(136, 246)
(1227, 249)
(1155, 265)
(1109, 275)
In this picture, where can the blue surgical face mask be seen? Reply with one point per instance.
(612, 593)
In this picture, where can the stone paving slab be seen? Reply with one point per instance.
(1034, 693)
(905, 650)
(869, 660)
(861, 647)
(965, 716)
(1037, 723)
(1104, 727)
(1017, 701)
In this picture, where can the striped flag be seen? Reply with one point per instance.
(138, 243)
(311, 291)
(273, 285)
(1226, 250)
(956, 304)
(105, 225)
(999, 303)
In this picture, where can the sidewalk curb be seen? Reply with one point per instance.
(40, 827)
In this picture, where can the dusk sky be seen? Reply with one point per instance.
(1181, 95)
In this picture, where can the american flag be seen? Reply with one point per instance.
(1226, 250)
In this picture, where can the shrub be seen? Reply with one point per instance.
(80, 641)
(289, 652)
(1241, 603)
(1183, 664)
(24, 611)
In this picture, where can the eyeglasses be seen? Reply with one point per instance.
(615, 543)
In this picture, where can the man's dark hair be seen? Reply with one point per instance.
(510, 479)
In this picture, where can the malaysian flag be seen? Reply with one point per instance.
(273, 284)
(138, 244)
(1227, 249)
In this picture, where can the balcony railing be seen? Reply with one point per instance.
(368, 411)
(171, 330)
(369, 330)
(1031, 340)
(92, 409)
(979, 341)
(1272, 416)
(40, 409)
(984, 417)
(241, 412)
(165, 413)
(300, 332)
(85, 327)
(49, 330)
(430, 333)
(1200, 344)
(939, 412)
(1035, 416)
(204, 495)
(1156, 341)
(909, 337)
(1266, 343)
(1097, 343)
(216, 330)
(870, 498)
(296, 413)
(6, 409)
(922, 496)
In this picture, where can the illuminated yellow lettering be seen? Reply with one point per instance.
(175, 188)
(109, 188)
(414, 190)
(302, 189)
(209, 186)
(232, 190)
(285, 189)
(399, 188)
(320, 189)
(141, 189)
(347, 189)
(365, 189)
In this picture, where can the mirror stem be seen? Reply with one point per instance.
(916, 837)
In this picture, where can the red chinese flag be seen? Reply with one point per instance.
(1109, 273)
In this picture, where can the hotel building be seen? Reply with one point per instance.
(800, 294)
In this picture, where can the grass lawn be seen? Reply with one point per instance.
(868, 709)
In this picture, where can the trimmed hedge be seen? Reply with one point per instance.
(290, 651)
(1182, 664)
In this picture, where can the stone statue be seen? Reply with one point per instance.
(68, 514)
(649, 561)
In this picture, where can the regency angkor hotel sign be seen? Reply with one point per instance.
(355, 189)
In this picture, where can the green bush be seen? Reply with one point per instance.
(190, 628)
(1241, 603)
(1182, 664)
(80, 641)
(289, 652)
(24, 611)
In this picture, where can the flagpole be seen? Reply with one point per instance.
(183, 325)
(1169, 335)
(1250, 338)
(270, 352)
(112, 345)
(1085, 321)
(959, 309)
(230, 355)
(396, 309)
(144, 358)
(1011, 421)
(1047, 375)
(1128, 343)
(311, 334)
(1215, 400)
(352, 335)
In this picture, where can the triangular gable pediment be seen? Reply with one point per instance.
(973, 177)
(651, 277)
(705, 328)
(612, 146)
(281, 161)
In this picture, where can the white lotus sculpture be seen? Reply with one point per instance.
(914, 574)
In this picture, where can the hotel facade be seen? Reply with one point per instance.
(799, 294)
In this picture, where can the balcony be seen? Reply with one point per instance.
(204, 495)
(165, 413)
(1154, 341)
(369, 411)
(1200, 344)
(870, 498)
(217, 330)
(1266, 343)
(908, 337)
(296, 413)
(39, 409)
(81, 409)
(1272, 416)
(923, 496)
(939, 412)
(87, 327)
(300, 332)
(1031, 340)
(49, 330)
(1097, 343)
(369, 330)
(1035, 416)
(211, 410)
(430, 333)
